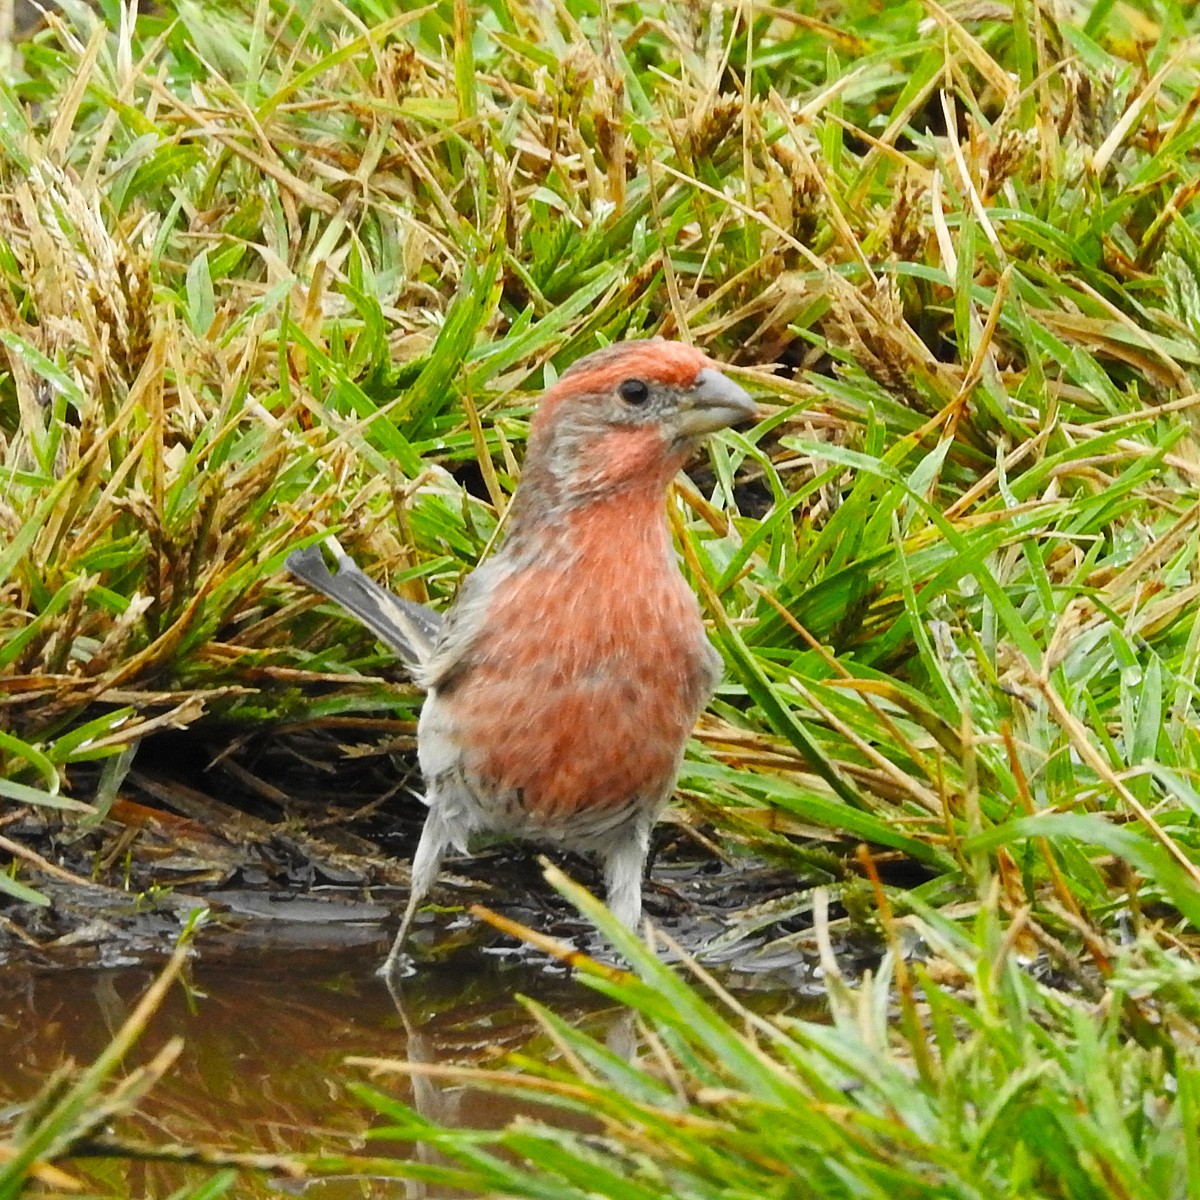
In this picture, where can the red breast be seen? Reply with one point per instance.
(593, 669)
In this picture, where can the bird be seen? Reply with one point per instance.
(565, 678)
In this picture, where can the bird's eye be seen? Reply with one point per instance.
(634, 391)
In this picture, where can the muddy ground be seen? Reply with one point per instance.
(295, 842)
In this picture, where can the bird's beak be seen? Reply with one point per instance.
(713, 402)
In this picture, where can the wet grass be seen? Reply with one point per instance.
(269, 272)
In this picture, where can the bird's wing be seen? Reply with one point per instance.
(465, 627)
(411, 629)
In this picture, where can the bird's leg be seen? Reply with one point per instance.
(435, 838)
(624, 865)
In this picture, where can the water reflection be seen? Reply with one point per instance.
(273, 1007)
(265, 1043)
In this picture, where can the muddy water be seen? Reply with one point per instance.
(282, 991)
(265, 1042)
(267, 1029)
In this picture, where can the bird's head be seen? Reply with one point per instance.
(627, 417)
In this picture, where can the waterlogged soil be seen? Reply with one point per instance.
(301, 876)
(304, 841)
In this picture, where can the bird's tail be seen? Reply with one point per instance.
(410, 629)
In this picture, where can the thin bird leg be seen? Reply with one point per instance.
(435, 838)
(624, 865)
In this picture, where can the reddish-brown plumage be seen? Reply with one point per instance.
(570, 670)
(672, 363)
(622, 455)
(582, 697)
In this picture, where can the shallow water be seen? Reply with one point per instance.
(282, 988)
(267, 1029)
(265, 1042)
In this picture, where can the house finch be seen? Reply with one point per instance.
(564, 680)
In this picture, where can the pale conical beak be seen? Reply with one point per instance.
(713, 402)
